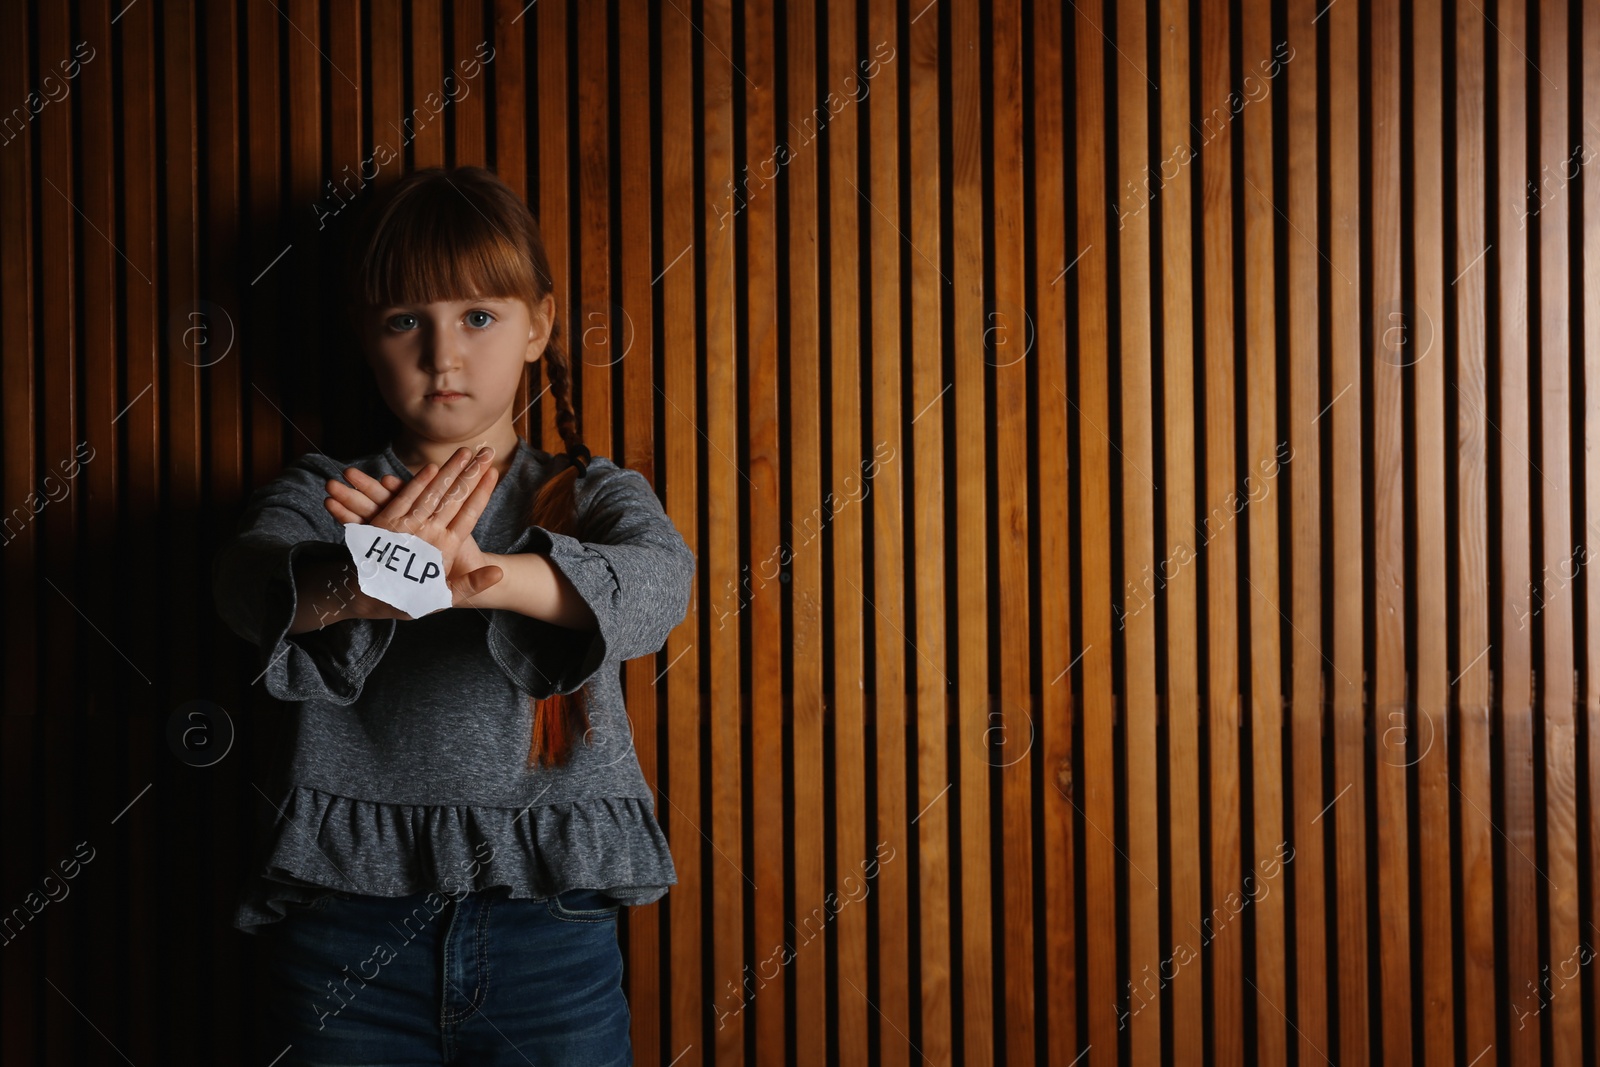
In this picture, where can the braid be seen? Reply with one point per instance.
(561, 718)
(561, 389)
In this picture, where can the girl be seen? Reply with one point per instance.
(464, 814)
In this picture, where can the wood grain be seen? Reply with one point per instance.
(1510, 426)
(1429, 735)
(1133, 462)
(925, 458)
(1296, 64)
(1096, 784)
(1056, 1006)
(882, 483)
(1561, 554)
(1392, 336)
(808, 628)
(1348, 807)
(1221, 929)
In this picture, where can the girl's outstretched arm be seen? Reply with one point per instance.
(633, 574)
(533, 586)
(259, 580)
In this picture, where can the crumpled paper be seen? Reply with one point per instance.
(400, 569)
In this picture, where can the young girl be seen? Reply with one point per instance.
(464, 813)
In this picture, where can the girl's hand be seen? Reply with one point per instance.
(440, 505)
(360, 503)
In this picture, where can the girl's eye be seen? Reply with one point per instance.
(406, 321)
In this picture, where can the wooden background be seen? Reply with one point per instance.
(1213, 370)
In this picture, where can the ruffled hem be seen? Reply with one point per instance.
(325, 843)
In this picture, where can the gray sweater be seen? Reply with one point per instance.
(408, 768)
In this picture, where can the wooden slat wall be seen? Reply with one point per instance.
(1171, 424)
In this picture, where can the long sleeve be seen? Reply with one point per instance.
(252, 578)
(634, 571)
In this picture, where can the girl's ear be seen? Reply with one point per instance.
(540, 323)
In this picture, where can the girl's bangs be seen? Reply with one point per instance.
(445, 255)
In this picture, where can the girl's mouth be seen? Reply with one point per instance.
(445, 397)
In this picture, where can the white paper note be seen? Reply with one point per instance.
(398, 568)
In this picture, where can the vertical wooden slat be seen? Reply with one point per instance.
(1565, 945)
(846, 212)
(880, 480)
(682, 819)
(1295, 66)
(423, 129)
(1052, 261)
(1387, 714)
(96, 493)
(1136, 453)
(759, 590)
(630, 342)
(1178, 571)
(62, 429)
(555, 198)
(305, 62)
(303, 67)
(1011, 725)
(1588, 75)
(384, 40)
(1474, 791)
(931, 399)
(1429, 741)
(56, 411)
(809, 632)
(505, 70)
(460, 95)
(726, 483)
(1224, 932)
(1517, 829)
(1263, 882)
(67, 997)
(1559, 880)
(184, 449)
(593, 314)
(1348, 809)
(1092, 411)
(20, 236)
(139, 418)
(18, 239)
(220, 357)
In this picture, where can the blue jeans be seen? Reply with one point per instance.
(436, 978)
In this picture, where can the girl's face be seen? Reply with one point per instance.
(449, 370)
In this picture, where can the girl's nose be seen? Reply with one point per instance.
(442, 354)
